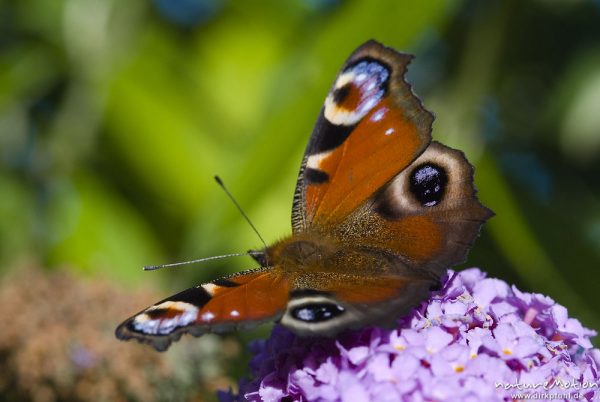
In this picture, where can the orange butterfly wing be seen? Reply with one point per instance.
(370, 128)
(239, 301)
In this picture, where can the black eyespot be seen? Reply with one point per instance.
(340, 94)
(428, 184)
(317, 312)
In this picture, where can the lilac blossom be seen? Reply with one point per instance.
(478, 339)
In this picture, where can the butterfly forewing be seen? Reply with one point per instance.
(370, 128)
(240, 301)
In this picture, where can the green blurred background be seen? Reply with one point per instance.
(116, 115)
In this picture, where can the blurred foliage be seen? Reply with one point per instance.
(115, 115)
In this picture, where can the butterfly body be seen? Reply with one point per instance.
(380, 212)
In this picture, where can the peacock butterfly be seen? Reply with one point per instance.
(379, 213)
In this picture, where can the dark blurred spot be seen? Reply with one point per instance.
(320, 5)
(188, 13)
(593, 235)
(43, 109)
(491, 129)
(41, 113)
(426, 70)
(527, 170)
(7, 26)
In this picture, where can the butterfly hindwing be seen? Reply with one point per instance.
(428, 215)
(243, 300)
(370, 128)
(336, 303)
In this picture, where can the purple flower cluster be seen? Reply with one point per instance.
(478, 339)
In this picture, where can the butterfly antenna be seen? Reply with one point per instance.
(216, 257)
(220, 183)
